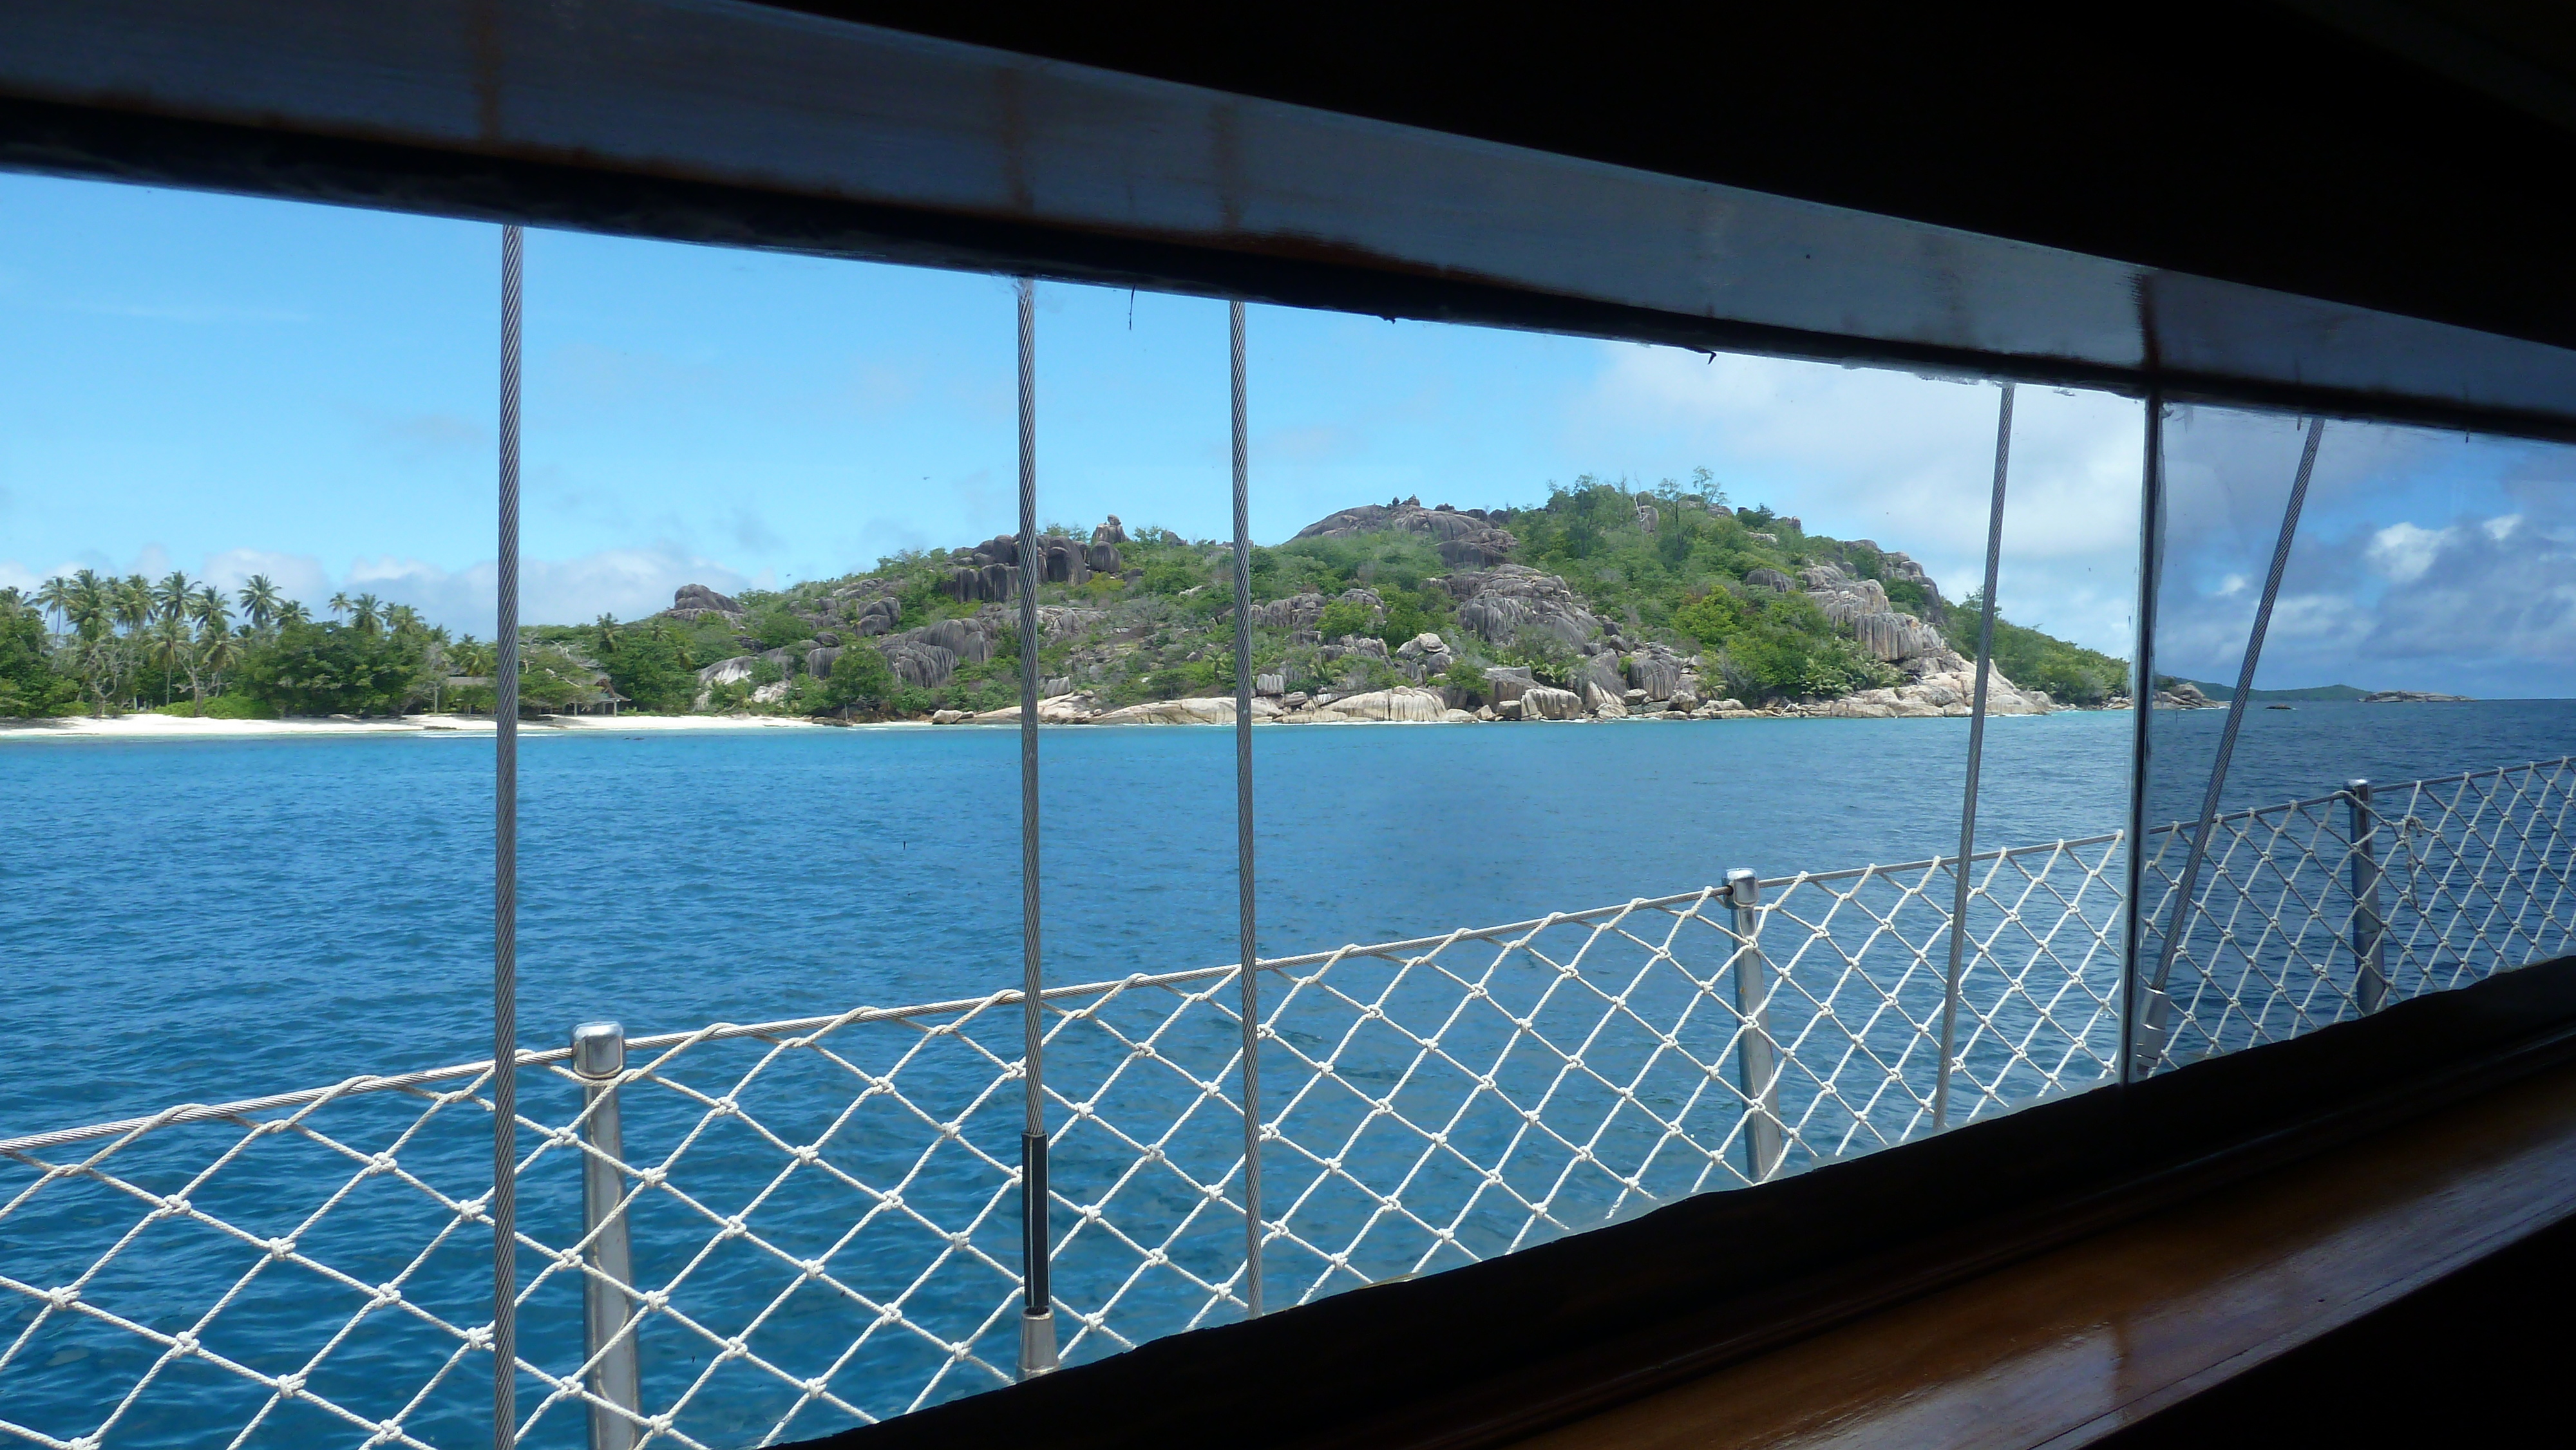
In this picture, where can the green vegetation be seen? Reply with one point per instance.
(333, 669)
(1682, 582)
(29, 682)
(1663, 569)
(175, 646)
(2035, 661)
(861, 679)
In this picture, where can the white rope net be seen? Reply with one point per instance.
(2466, 876)
(824, 1212)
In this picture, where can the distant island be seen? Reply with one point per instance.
(1605, 602)
(2221, 694)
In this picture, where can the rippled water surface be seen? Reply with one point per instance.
(204, 920)
(201, 921)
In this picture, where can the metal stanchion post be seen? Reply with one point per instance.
(1755, 1063)
(608, 1303)
(2369, 936)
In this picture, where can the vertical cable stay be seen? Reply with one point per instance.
(1976, 758)
(1250, 1003)
(1037, 1317)
(505, 877)
(2142, 696)
(2157, 1004)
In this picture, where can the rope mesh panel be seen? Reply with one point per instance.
(824, 1211)
(2476, 878)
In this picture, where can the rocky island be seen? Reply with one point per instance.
(1603, 604)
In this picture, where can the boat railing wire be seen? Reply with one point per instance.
(823, 1210)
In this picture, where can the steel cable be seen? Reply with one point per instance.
(1249, 1005)
(505, 875)
(1976, 758)
(2236, 706)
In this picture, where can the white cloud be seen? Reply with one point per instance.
(2478, 595)
(1909, 462)
(624, 582)
(2321, 621)
(1910, 456)
(299, 576)
(2403, 551)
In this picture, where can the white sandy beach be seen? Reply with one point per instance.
(143, 726)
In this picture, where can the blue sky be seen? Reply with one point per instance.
(223, 386)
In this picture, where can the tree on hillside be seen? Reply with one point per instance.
(860, 679)
(2036, 661)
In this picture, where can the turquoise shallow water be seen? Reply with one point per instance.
(200, 921)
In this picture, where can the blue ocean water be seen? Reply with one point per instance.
(204, 920)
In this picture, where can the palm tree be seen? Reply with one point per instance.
(166, 646)
(471, 656)
(132, 604)
(604, 634)
(366, 612)
(206, 609)
(260, 599)
(293, 612)
(133, 609)
(402, 619)
(216, 652)
(172, 594)
(85, 603)
(340, 602)
(56, 597)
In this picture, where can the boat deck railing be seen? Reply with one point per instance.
(751, 1233)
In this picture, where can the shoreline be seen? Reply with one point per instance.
(148, 726)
